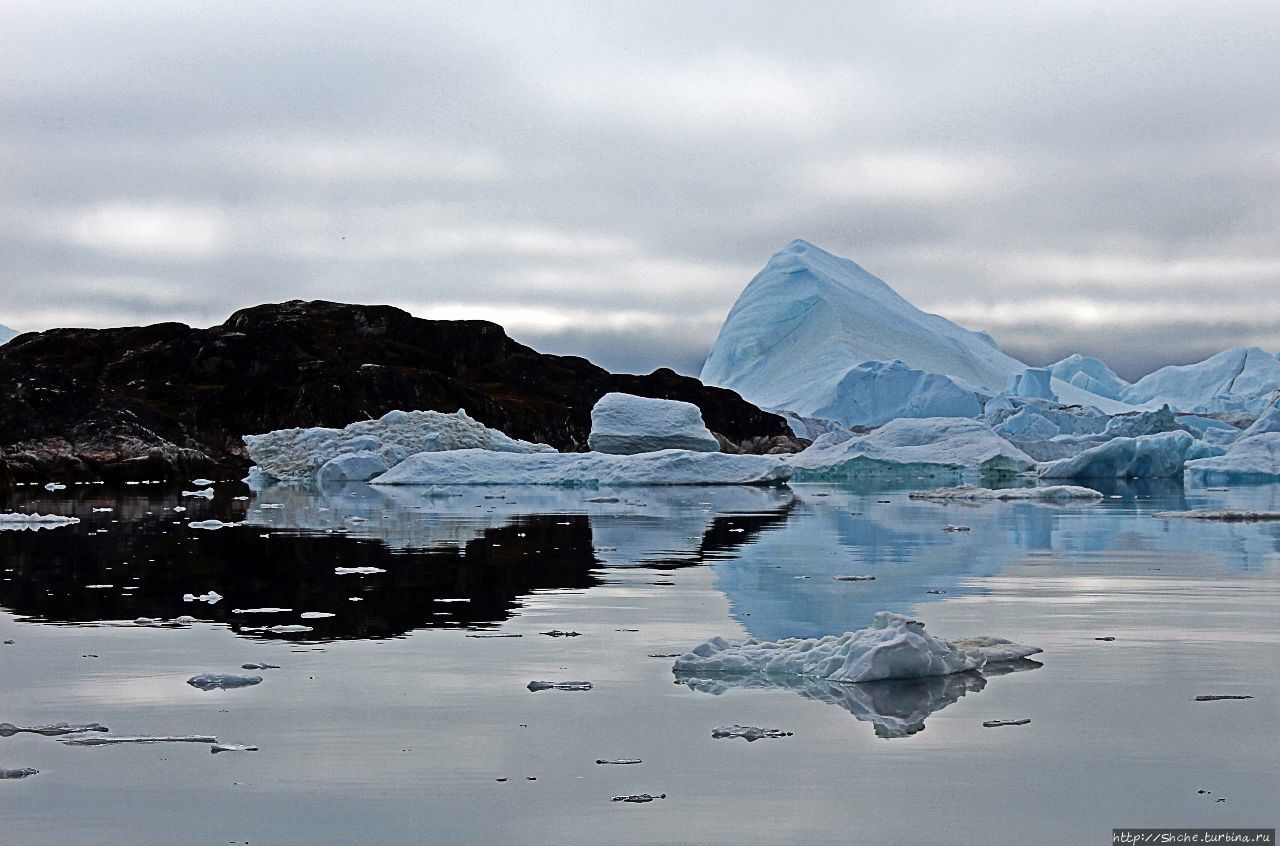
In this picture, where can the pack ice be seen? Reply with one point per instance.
(909, 446)
(667, 467)
(365, 449)
(893, 647)
(819, 336)
(624, 424)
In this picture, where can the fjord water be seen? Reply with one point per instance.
(405, 716)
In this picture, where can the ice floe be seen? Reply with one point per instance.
(12, 521)
(747, 733)
(357, 571)
(211, 525)
(906, 446)
(222, 681)
(298, 454)
(666, 467)
(21, 772)
(114, 739)
(231, 747)
(893, 647)
(623, 424)
(535, 686)
(205, 493)
(51, 730)
(975, 494)
(212, 597)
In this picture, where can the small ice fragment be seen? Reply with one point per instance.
(98, 587)
(748, 733)
(111, 739)
(260, 610)
(184, 620)
(202, 483)
(997, 723)
(288, 629)
(355, 599)
(24, 772)
(854, 578)
(494, 635)
(620, 761)
(638, 797)
(602, 499)
(54, 486)
(955, 528)
(240, 498)
(259, 666)
(212, 597)
(9, 729)
(14, 520)
(206, 493)
(100, 510)
(454, 599)
(231, 747)
(222, 681)
(267, 505)
(211, 524)
(558, 633)
(354, 519)
(936, 592)
(535, 686)
(357, 571)
(1108, 638)
(1214, 697)
(178, 509)
(146, 621)
(1223, 515)
(316, 615)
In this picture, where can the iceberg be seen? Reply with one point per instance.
(931, 444)
(800, 332)
(1145, 457)
(1089, 374)
(1252, 459)
(975, 494)
(298, 454)
(624, 424)
(1236, 379)
(666, 467)
(1034, 383)
(893, 647)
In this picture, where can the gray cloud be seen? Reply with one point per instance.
(604, 178)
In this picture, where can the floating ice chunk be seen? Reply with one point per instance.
(911, 446)
(231, 747)
(535, 686)
(1146, 457)
(201, 483)
(261, 610)
(55, 486)
(950, 527)
(101, 510)
(184, 620)
(205, 493)
(178, 509)
(211, 524)
(212, 597)
(259, 666)
(893, 647)
(24, 772)
(113, 739)
(1218, 697)
(11, 521)
(638, 797)
(146, 621)
(747, 733)
(624, 424)
(998, 723)
(357, 571)
(316, 615)
(973, 493)
(1252, 459)
(293, 629)
(667, 467)
(622, 761)
(53, 730)
(222, 681)
(297, 454)
(1224, 515)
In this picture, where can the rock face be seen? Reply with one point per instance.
(169, 401)
(623, 424)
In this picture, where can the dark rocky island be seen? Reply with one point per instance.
(170, 402)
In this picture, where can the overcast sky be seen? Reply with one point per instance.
(604, 178)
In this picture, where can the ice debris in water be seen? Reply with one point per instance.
(54, 486)
(211, 524)
(638, 797)
(535, 686)
(24, 772)
(974, 493)
(201, 483)
(222, 681)
(357, 571)
(316, 615)
(955, 528)
(294, 629)
(260, 610)
(113, 739)
(204, 493)
(52, 730)
(997, 723)
(212, 597)
(259, 666)
(619, 761)
(748, 733)
(1216, 697)
(893, 647)
(16, 520)
(231, 747)
(1225, 515)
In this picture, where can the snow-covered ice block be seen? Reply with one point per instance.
(625, 424)
(911, 445)
(973, 493)
(893, 647)
(1255, 458)
(1146, 457)
(297, 454)
(667, 467)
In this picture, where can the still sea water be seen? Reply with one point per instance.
(405, 717)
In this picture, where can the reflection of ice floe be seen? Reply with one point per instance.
(1222, 515)
(892, 647)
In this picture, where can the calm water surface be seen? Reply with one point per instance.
(393, 720)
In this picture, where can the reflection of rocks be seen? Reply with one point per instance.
(895, 707)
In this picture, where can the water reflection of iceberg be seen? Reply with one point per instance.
(894, 707)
